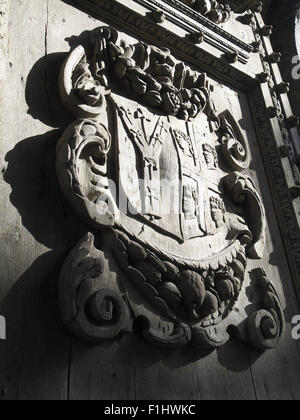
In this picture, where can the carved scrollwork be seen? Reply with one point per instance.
(80, 92)
(174, 336)
(266, 326)
(245, 194)
(234, 146)
(95, 312)
(82, 169)
(209, 338)
(180, 270)
(89, 309)
(92, 311)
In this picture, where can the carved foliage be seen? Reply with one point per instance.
(82, 170)
(245, 194)
(194, 308)
(234, 146)
(200, 296)
(145, 72)
(212, 9)
(157, 79)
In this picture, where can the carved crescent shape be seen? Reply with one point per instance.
(68, 96)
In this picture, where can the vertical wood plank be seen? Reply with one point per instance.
(102, 372)
(34, 358)
(187, 374)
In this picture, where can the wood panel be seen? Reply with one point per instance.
(40, 360)
(34, 358)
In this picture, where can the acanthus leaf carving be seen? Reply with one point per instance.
(234, 146)
(148, 73)
(91, 311)
(266, 326)
(245, 194)
(86, 143)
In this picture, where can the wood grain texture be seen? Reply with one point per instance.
(40, 360)
(34, 359)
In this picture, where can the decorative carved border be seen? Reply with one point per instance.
(178, 5)
(279, 186)
(213, 34)
(270, 143)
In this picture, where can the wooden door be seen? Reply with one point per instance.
(107, 302)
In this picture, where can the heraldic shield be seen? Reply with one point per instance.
(161, 177)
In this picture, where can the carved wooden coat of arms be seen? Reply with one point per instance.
(160, 176)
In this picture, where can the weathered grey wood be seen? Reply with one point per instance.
(35, 356)
(40, 360)
(108, 377)
(180, 374)
(146, 380)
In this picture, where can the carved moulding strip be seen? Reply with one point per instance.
(269, 141)
(184, 299)
(214, 29)
(282, 199)
(211, 33)
(132, 21)
(279, 109)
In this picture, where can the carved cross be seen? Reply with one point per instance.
(149, 147)
(140, 115)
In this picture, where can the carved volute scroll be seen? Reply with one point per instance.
(90, 310)
(162, 177)
(234, 147)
